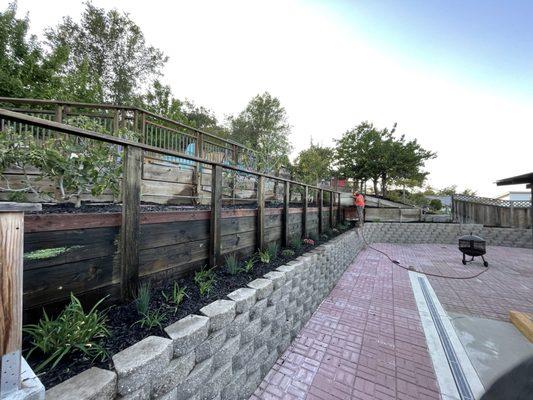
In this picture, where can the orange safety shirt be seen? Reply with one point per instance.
(359, 200)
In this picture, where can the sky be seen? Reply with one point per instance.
(455, 75)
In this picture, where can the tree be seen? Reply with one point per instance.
(435, 204)
(263, 126)
(113, 48)
(314, 164)
(25, 69)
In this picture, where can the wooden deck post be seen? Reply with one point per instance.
(338, 208)
(286, 202)
(131, 226)
(58, 117)
(261, 212)
(320, 211)
(216, 208)
(331, 209)
(304, 212)
(11, 264)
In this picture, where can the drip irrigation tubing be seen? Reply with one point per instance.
(411, 268)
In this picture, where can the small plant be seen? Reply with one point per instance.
(177, 295)
(152, 319)
(296, 244)
(264, 256)
(273, 250)
(288, 253)
(73, 330)
(142, 302)
(205, 279)
(324, 237)
(309, 242)
(249, 264)
(232, 264)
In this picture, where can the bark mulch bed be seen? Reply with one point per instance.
(121, 319)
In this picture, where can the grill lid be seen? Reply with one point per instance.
(471, 238)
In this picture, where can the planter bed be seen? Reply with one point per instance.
(226, 350)
(121, 320)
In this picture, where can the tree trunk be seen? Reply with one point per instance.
(375, 182)
(384, 185)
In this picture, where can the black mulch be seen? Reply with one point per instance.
(68, 208)
(121, 319)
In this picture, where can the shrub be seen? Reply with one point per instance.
(205, 279)
(296, 244)
(264, 256)
(73, 330)
(249, 264)
(142, 302)
(232, 264)
(273, 250)
(177, 295)
(308, 241)
(152, 319)
(435, 204)
(324, 237)
(288, 253)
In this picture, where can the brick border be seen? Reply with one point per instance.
(225, 352)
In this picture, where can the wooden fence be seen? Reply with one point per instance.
(109, 253)
(491, 212)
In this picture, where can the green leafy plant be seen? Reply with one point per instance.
(232, 264)
(142, 302)
(205, 279)
(273, 250)
(152, 318)
(324, 237)
(296, 244)
(177, 295)
(288, 253)
(249, 264)
(264, 256)
(72, 331)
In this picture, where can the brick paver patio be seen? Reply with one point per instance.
(366, 341)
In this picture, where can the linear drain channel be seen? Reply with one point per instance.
(458, 375)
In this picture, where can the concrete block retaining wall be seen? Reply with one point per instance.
(445, 233)
(226, 351)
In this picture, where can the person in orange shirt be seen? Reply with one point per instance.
(359, 201)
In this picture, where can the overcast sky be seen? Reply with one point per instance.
(456, 75)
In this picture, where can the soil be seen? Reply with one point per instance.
(122, 319)
(68, 208)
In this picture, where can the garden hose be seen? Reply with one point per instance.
(411, 268)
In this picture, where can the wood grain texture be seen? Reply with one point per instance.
(11, 252)
(286, 200)
(216, 208)
(261, 213)
(131, 220)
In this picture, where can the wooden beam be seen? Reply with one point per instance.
(216, 208)
(261, 212)
(286, 201)
(58, 114)
(11, 253)
(330, 209)
(338, 208)
(305, 210)
(320, 211)
(130, 230)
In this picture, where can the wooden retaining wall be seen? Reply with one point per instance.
(171, 245)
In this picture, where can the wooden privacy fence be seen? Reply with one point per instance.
(491, 212)
(132, 237)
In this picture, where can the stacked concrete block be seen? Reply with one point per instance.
(226, 351)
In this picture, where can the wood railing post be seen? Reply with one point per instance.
(58, 113)
(304, 211)
(116, 118)
(131, 222)
(286, 203)
(338, 208)
(511, 213)
(330, 210)
(216, 214)
(320, 211)
(11, 264)
(261, 212)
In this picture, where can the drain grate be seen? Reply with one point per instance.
(457, 372)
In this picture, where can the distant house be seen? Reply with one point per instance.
(516, 196)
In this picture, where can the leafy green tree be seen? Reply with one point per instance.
(263, 126)
(314, 164)
(113, 47)
(25, 69)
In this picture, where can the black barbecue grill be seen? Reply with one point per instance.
(473, 246)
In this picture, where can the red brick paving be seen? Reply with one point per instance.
(365, 341)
